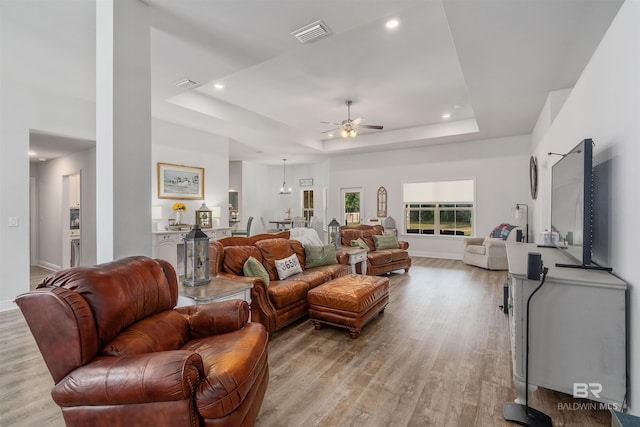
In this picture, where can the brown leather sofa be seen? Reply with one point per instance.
(121, 355)
(282, 301)
(378, 261)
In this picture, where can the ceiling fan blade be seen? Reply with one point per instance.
(330, 130)
(371, 127)
(358, 121)
(331, 123)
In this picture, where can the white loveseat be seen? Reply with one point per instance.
(487, 252)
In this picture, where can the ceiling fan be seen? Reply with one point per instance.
(348, 127)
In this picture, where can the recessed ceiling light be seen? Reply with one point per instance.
(218, 86)
(392, 23)
(446, 116)
(330, 135)
(32, 153)
(457, 106)
(42, 159)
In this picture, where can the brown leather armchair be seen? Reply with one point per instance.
(121, 355)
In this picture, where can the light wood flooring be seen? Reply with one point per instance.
(438, 356)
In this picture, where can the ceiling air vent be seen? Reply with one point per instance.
(186, 84)
(311, 32)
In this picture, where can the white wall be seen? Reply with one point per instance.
(260, 187)
(24, 108)
(180, 145)
(500, 168)
(51, 213)
(605, 106)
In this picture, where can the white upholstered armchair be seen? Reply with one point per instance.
(488, 252)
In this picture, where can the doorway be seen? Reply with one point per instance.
(71, 215)
(351, 206)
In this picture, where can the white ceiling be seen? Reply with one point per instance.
(488, 63)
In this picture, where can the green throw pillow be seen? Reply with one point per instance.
(320, 255)
(386, 242)
(254, 268)
(360, 244)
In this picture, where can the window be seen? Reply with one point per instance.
(307, 205)
(439, 207)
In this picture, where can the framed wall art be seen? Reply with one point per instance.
(180, 182)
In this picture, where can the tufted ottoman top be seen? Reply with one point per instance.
(352, 293)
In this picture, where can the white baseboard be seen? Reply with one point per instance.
(8, 305)
(49, 266)
(440, 255)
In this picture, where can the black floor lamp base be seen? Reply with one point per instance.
(525, 416)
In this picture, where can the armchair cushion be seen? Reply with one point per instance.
(476, 249)
(167, 330)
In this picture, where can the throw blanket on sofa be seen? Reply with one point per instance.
(306, 236)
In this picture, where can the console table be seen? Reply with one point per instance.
(169, 245)
(577, 331)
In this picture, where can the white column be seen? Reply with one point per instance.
(123, 129)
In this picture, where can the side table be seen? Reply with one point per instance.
(219, 289)
(356, 255)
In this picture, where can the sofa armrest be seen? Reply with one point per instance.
(151, 377)
(496, 243)
(262, 310)
(215, 318)
(473, 241)
(403, 245)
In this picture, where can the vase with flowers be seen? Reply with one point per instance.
(179, 209)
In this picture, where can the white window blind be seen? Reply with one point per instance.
(438, 191)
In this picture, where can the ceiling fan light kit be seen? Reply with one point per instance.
(349, 128)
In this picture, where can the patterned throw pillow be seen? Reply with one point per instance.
(254, 268)
(502, 231)
(288, 267)
(386, 242)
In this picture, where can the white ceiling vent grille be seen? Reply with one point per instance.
(186, 84)
(311, 32)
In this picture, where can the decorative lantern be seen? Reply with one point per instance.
(196, 257)
(204, 217)
(334, 233)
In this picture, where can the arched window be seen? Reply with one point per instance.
(382, 202)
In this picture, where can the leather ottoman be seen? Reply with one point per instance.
(348, 302)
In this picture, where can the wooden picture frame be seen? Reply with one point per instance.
(180, 182)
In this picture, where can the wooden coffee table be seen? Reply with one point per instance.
(219, 289)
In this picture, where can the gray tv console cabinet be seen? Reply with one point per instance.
(578, 332)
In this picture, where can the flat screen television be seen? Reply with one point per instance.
(572, 202)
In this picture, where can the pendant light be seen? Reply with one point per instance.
(284, 189)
